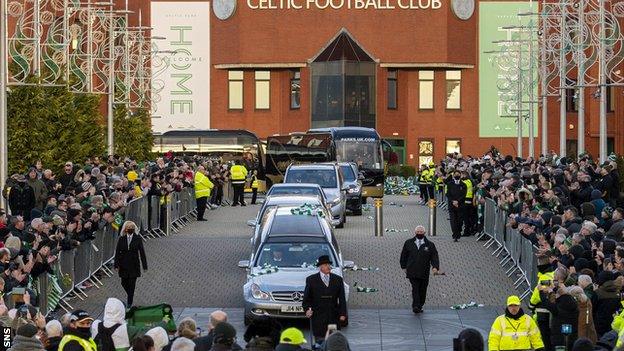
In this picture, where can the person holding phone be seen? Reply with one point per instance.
(129, 257)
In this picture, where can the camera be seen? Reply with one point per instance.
(546, 282)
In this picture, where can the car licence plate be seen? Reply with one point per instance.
(292, 309)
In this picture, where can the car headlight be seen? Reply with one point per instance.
(335, 201)
(258, 294)
(354, 190)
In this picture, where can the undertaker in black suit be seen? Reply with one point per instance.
(417, 256)
(324, 298)
(456, 194)
(129, 248)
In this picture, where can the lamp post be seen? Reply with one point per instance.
(563, 126)
(603, 84)
(4, 154)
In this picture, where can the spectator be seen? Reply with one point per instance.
(159, 336)
(26, 338)
(583, 344)
(67, 178)
(262, 334)
(606, 302)
(224, 337)
(468, 340)
(143, 343)
(39, 188)
(113, 331)
(336, 342)
(54, 333)
(586, 327)
(187, 329)
(21, 198)
(615, 231)
(183, 344)
(291, 340)
(204, 343)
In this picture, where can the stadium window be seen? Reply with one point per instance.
(263, 90)
(425, 90)
(235, 90)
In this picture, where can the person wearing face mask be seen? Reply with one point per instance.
(456, 193)
(78, 334)
(129, 250)
(417, 256)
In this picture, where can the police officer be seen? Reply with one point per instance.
(78, 334)
(456, 195)
(238, 175)
(469, 210)
(514, 330)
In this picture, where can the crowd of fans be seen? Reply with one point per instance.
(572, 212)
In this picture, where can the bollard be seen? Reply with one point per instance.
(378, 217)
(432, 217)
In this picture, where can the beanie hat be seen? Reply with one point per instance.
(86, 186)
(583, 344)
(595, 194)
(336, 342)
(473, 340)
(27, 330)
(72, 212)
(604, 277)
(224, 333)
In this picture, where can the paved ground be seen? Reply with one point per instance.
(197, 269)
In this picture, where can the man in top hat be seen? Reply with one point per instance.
(324, 298)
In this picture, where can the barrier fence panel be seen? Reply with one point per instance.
(74, 267)
(144, 218)
(95, 263)
(154, 213)
(81, 262)
(65, 271)
(109, 242)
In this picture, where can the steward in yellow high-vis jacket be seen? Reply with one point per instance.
(514, 330)
(238, 176)
(545, 274)
(78, 334)
(203, 187)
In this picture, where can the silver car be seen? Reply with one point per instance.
(273, 201)
(280, 263)
(329, 177)
(353, 182)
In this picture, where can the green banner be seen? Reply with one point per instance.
(496, 116)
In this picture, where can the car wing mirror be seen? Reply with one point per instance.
(243, 264)
(252, 222)
(348, 264)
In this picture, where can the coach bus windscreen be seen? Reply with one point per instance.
(364, 152)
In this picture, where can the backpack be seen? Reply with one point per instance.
(104, 338)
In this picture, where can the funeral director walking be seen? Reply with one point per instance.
(417, 256)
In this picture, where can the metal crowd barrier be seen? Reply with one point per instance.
(509, 246)
(75, 269)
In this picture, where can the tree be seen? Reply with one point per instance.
(133, 133)
(52, 124)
